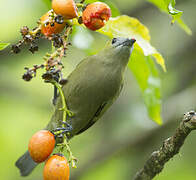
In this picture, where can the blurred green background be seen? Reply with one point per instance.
(118, 145)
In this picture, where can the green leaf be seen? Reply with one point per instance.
(168, 6)
(142, 64)
(184, 26)
(47, 2)
(3, 46)
(126, 26)
(145, 72)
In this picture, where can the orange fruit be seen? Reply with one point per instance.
(65, 8)
(49, 30)
(56, 168)
(41, 145)
(95, 15)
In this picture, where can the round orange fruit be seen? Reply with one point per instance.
(65, 8)
(41, 145)
(56, 168)
(95, 15)
(47, 29)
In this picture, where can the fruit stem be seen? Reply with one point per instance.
(80, 5)
(64, 105)
(72, 159)
(52, 47)
(36, 31)
(59, 53)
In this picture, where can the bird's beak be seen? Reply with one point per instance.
(129, 42)
(133, 40)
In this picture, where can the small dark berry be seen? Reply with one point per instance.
(38, 34)
(15, 49)
(56, 76)
(59, 19)
(24, 30)
(57, 40)
(192, 112)
(33, 48)
(28, 38)
(80, 20)
(52, 24)
(27, 76)
(47, 76)
(47, 23)
(63, 81)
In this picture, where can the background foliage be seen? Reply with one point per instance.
(119, 143)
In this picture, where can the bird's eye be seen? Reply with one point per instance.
(114, 40)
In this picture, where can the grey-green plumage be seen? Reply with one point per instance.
(91, 89)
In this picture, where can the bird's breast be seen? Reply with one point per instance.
(87, 90)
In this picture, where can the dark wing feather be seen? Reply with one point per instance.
(92, 121)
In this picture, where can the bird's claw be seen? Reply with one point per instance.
(60, 131)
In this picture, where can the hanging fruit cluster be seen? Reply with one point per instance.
(40, 148)
(56, 26)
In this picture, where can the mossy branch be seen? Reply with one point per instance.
(171, 146)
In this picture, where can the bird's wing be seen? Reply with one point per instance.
(100, 111)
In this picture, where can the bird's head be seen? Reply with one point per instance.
(121, 42)
(119, 49)
(123, 45)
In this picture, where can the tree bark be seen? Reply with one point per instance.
(171, 146)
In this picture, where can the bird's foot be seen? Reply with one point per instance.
(59, 132)
(63, 132)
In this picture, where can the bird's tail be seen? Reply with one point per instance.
(25, 164)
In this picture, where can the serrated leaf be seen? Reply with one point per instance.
(142, 64)
(168, 6)
(3, 46)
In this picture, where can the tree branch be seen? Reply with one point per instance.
(171, 146)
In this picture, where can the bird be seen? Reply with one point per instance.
(91, 89)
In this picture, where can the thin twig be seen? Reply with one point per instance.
(171, 146)
(66, 112)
